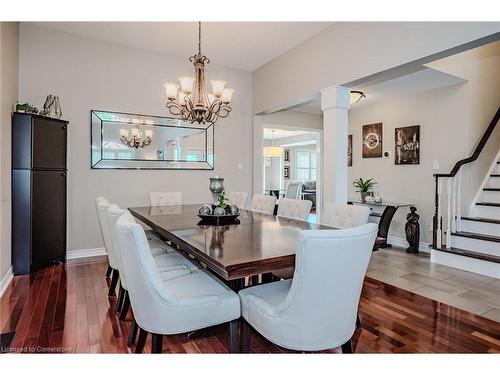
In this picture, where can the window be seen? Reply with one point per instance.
(305, 168)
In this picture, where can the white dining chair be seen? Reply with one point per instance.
(293, 190)
(172, 263)
(344, 215)
(238, 198)
(296, 209)
(263, 203)
(165, 307)
(165, 198)
(317, 309)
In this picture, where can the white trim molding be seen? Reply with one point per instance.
(6, 280)
(400, 242)
(85, 253)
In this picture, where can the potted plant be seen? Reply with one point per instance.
(364, 187)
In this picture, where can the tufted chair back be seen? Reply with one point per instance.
(263, 203)
(102, 205)
(294, 208)
(238, 198)
(293, 190)
(344, 215)
(166, 198)
(330, 267)
(113, 213)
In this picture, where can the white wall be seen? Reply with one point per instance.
(9, 64)
(89, 74)
(348, 51)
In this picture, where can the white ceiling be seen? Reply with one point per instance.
(281, 133)
(240, 45)
(423, 80)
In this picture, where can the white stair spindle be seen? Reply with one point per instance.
(454, 205)
(459, 202)
(439, 239)
(448, 212)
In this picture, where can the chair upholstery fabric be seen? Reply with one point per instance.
(180, 304)
(102, 205)
(263, 203)
(165, 198)
(296, 209)
(238, 198)
(293, 190)
(344, 215)
(317, 309)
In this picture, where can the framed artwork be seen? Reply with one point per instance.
(407, 145)
(286, 172)
(372, 140)
(349, 150)
(287, 155)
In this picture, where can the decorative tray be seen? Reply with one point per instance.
(219, 219)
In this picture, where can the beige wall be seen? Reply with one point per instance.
(89, 74)
(348, 51)
(441, 115)
(9, 64)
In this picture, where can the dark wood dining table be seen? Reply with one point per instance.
(259, 244)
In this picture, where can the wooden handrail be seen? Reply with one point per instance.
(478, 149)
(436, 221)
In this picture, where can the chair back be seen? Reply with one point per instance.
(322, 302)
(101, 206)
(238, 198)
(293, 190)
(165, 198)
(263, 203)
(344, 215)
(147, 293)
(294, 208)
(113, 213)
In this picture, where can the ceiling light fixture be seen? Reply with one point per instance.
(192, 102)
(273, 151)
(356, 96)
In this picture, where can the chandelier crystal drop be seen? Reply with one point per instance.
(190, 100)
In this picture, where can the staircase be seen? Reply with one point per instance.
(472, 243)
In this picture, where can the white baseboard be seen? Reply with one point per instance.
(400, 242)
(85, 253)
(6, 280)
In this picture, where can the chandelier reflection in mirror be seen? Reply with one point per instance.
(137, 140)
(189, 98)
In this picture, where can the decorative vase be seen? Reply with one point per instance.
(216, 187)
(364, 194)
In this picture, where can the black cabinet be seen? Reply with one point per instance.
(38, 191)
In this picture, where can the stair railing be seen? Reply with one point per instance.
(452, 222)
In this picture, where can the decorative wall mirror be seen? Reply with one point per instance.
(133, 141)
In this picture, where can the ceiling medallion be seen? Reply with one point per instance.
(192, 102)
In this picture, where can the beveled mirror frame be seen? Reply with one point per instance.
(98, 119)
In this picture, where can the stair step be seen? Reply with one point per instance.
(481, 219)
(477, 236)
(469, 254)
(494, 175)
(491, 189)
(492, 204)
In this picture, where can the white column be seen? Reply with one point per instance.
(258, 158)
(335, 106)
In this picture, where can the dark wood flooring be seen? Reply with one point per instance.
(66, 309)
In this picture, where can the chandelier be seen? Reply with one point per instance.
(192, 102)
(137, 140)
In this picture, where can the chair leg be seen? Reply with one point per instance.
(347, 347)
(245, 336)
(141, 341)
(233, 336)
(132, 335)
(156, 343)
(119, 301)
(108, 271)
(358, 322)
(125, 307)
(114, 281)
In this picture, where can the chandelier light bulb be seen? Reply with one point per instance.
(186, 84)
(149, 133)
(217, 87)
(124, 133)
(227, 94)
(171, 90)
(211, 98)
(182, 98)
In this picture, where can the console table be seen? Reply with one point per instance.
(385, 212)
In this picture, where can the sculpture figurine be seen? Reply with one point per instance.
(412, 229)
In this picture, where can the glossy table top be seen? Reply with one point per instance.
(259, 244)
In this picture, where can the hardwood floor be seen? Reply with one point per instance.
(66, 309)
